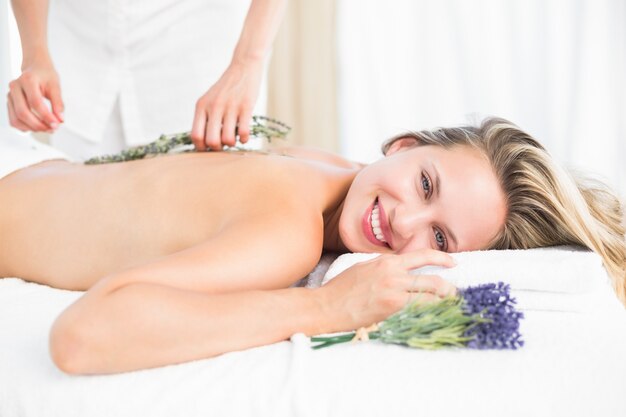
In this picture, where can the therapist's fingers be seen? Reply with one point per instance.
(35, 100)
(13, 120)
(243, 125)
(213, 134)
(56, 101)
(23, 111)
(199, 127)
(228, 128)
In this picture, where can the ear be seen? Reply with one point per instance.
(401, 144)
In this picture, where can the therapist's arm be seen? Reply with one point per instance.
(39, 80)
(229, 102)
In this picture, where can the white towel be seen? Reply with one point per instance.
(560, 278)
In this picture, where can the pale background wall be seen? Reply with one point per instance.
(557, 68)
(302, 75)
(349, 73)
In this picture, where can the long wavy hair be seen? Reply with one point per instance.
(546, 205)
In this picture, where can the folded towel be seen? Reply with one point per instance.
(560, 278)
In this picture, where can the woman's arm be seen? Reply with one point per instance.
(140, 324)
(212, 298)
(144, 325)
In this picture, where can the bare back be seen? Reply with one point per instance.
(69, 225)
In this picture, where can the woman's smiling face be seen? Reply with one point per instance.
(423, 197)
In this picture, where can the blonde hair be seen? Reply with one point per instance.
(546, 206)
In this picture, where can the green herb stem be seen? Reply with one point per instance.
(262, 126)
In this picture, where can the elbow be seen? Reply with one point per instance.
(68, 345)
(77, 340)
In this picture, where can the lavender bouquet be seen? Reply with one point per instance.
(261, 126)
(479, 317)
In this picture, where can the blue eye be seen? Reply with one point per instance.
(441, 240)
(426, 185)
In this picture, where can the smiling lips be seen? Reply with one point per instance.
(374, 225)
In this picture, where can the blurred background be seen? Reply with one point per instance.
(347, 74)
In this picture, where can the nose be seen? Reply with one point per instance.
(410, 226)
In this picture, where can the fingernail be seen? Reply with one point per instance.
(54, 125)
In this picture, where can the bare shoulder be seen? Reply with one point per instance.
(314, 154)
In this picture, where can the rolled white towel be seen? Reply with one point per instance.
(560, 278)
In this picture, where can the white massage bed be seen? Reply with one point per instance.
(573, 363)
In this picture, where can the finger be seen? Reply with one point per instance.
(198, 128)
(212, 137)
(36, 102)
(433, 284)
(13, 120)
(423, 257)
(422, 297)
(58, 107)
(243, 126)
(228, 128)
(24, 113)
(374, 258)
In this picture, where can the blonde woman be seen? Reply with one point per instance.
(177, 269)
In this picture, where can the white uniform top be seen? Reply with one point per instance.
(157, 56)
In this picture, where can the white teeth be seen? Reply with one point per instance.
(375, 224)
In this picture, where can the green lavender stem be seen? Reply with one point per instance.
(261, 126)
(425, 326)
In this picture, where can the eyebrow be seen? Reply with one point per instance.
(437, 190)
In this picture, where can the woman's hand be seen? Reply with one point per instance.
(25, 100)
(227, 106)
(371, 291)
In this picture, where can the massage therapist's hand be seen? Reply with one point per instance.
(227, 105)
(371, 291)
(27, 94)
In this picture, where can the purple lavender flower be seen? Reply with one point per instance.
(492, 302)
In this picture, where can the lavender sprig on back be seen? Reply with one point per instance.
(263, 127)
